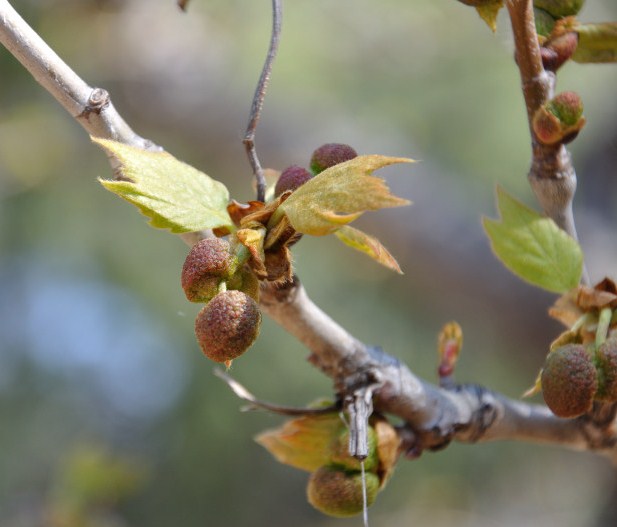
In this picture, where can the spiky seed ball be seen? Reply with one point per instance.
(606, 363)
(339, 493)
(331, 154)
(569, 381)
(340, 452)
(291, 178)
(208, 263)
(228, 325)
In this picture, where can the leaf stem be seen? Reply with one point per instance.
(258, 100)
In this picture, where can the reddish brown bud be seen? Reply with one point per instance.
(208, 263)
(331, 154)
(569, 381)
(227, 326)
(291, 178)
(557, 51)
(559, 120)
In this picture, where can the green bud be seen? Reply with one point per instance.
(545, 22)
(559, 120)
(560, 8)
(340, 452)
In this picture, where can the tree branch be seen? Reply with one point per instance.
(90, 107)
(551, 176)
(434, 416)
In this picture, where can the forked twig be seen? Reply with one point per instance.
(258, 100)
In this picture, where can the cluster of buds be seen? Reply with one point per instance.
(214, 273)
(581, 367)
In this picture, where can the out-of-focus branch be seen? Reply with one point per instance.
(91, 107)
(434, 416)
(551, 176)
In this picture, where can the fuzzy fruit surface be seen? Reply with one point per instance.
(208, 263)
(339, 493)
(606, 362)
(340, 453)
(291, 178)
(331, 154)
(569, 381)
(227, 326)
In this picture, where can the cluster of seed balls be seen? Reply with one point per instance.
(215, 274)
(575, 375)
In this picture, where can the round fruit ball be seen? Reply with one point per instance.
(228, 325)
(569, 381)
(291, 178)
(339, 493)
(331, 154)
(606, 363)
(208, 263)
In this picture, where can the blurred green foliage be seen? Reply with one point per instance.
(96, 337)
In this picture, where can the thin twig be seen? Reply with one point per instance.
(91, 107)
(255, 403)
(258, 100)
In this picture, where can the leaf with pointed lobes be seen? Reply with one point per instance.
(533, 247)
(341, 194)
(360, 241)
(488, 12)
(303, 443)
(172, 194)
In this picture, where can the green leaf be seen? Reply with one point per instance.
(303, 443)
(172, 194)
(369, 245)
(340, 194)
(533, 247)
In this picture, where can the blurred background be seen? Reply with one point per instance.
(110, 415)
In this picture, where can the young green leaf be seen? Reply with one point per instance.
(172, 194)
(340, 194)
(369, 245)
(303, 442)
(533, 247)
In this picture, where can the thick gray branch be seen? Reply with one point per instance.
(435, 416)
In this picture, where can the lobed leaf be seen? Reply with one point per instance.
(356, 239)
(172, 194)
(340, 194)
(303, 443)
(533, 247)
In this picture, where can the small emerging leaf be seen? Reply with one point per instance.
(172, 194)
(369, 245)
(533, 247)
(303, 443)
(340, 194)
(488, 12)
